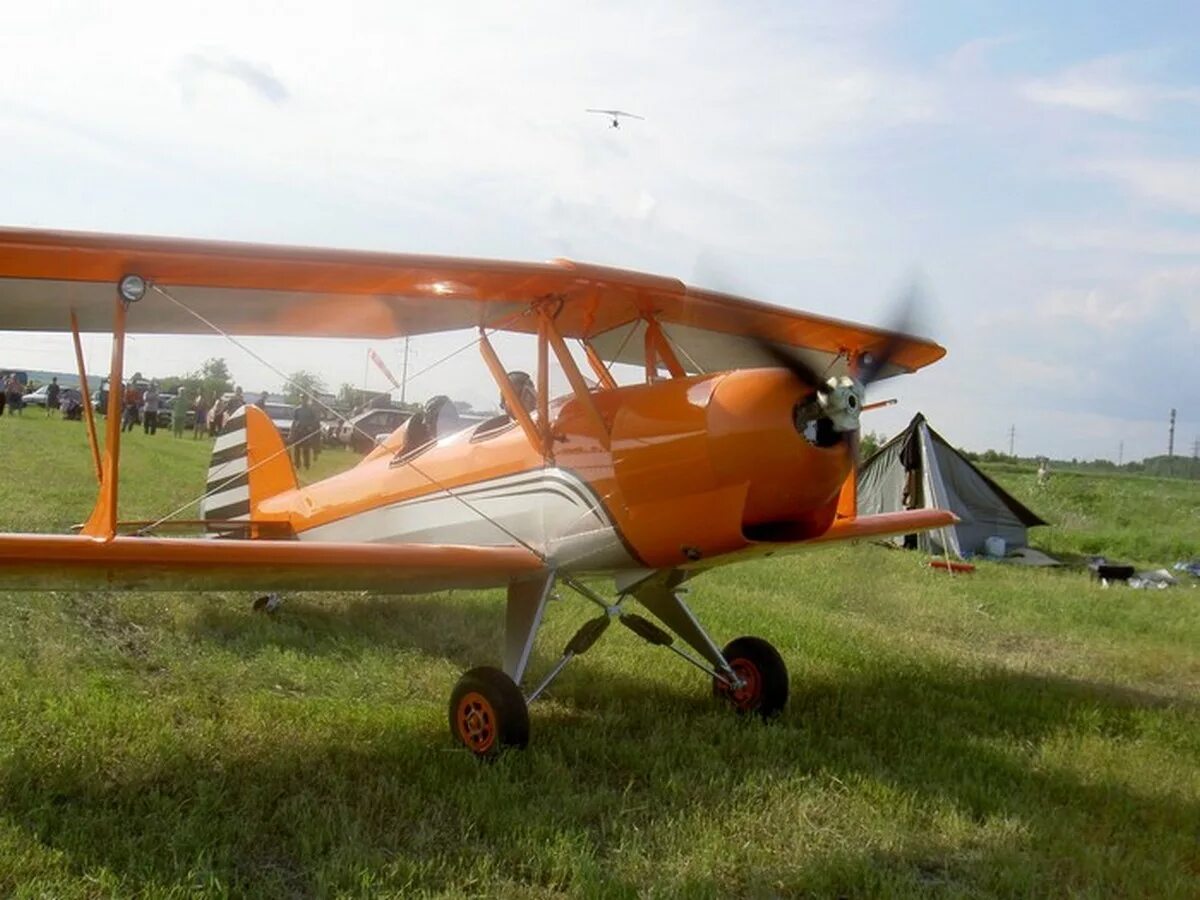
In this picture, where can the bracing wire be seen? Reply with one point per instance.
(317, 400)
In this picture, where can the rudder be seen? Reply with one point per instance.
(249, 464)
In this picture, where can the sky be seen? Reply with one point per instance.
(1033, 168)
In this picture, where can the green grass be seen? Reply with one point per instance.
(1136, 518)
(1012, 732)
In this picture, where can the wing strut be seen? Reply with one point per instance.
(102, 523)
(657, 348)
(87, 397)
(516, 408)
(578, 385)
(602, 374)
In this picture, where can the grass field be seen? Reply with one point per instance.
(1135, 518)
(1012, 732)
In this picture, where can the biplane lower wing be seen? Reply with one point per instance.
(886, 524)
(883, 525)
(68, 562)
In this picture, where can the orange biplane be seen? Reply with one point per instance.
(740, 441)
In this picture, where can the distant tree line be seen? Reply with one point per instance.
(1153, 466)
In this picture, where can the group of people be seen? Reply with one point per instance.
(12, 397)
(140, 405)
(143, 404)
(209, 418)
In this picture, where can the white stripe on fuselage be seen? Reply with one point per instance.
(231, 439)
(549, 509)
(231, 497)
(222, 471)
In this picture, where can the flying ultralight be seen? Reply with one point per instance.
(615, 115)
(732, 447)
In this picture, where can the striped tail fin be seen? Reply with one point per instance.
(249, 464)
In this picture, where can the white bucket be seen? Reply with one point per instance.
(994, 547)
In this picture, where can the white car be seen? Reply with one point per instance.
(364, 430)
(281, 417)
(36, 398)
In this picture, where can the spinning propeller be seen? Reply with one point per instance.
(841, 398)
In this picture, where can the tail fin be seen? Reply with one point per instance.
(249, 464)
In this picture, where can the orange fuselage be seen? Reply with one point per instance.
(694, 468)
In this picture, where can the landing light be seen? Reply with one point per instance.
(133, 288)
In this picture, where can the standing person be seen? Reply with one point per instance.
(261, 402)
(237, 402)
(314, 439)
(304, 422)
(14, 394)
(150, 404)
(132, 401)
(179, 412)
(216, 418)
(3, 391)
(52, 391)
(200, 423)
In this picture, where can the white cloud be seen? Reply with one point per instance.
(195, 67)
(974, 55)
(1105, 86)
(1167, 297)
(1114, 238)
(1169, 183)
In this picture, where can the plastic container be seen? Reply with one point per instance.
(994, 547)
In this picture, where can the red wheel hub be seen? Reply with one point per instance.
(476, 722)
(746, 697)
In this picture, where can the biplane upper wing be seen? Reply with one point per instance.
(247, 289)
(70, 562)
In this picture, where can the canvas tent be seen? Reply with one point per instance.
(918, 469)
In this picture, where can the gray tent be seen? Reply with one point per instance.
(917, 469)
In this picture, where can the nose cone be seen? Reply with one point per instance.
(754, 440)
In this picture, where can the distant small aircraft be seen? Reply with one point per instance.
(615, 115)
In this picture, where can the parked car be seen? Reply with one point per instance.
(281, 417)
(360, 433)
(37, 398)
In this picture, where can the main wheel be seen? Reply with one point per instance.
(764, 676)
(488, 712)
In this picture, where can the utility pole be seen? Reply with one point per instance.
(1171, 446)
(1012, 439)
(1196, 458)
(1120, 454)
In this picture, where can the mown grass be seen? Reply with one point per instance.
(1013, 732)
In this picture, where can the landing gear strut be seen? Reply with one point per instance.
(489, 713)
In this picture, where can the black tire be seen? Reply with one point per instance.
(488, 713)
(759, 664)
